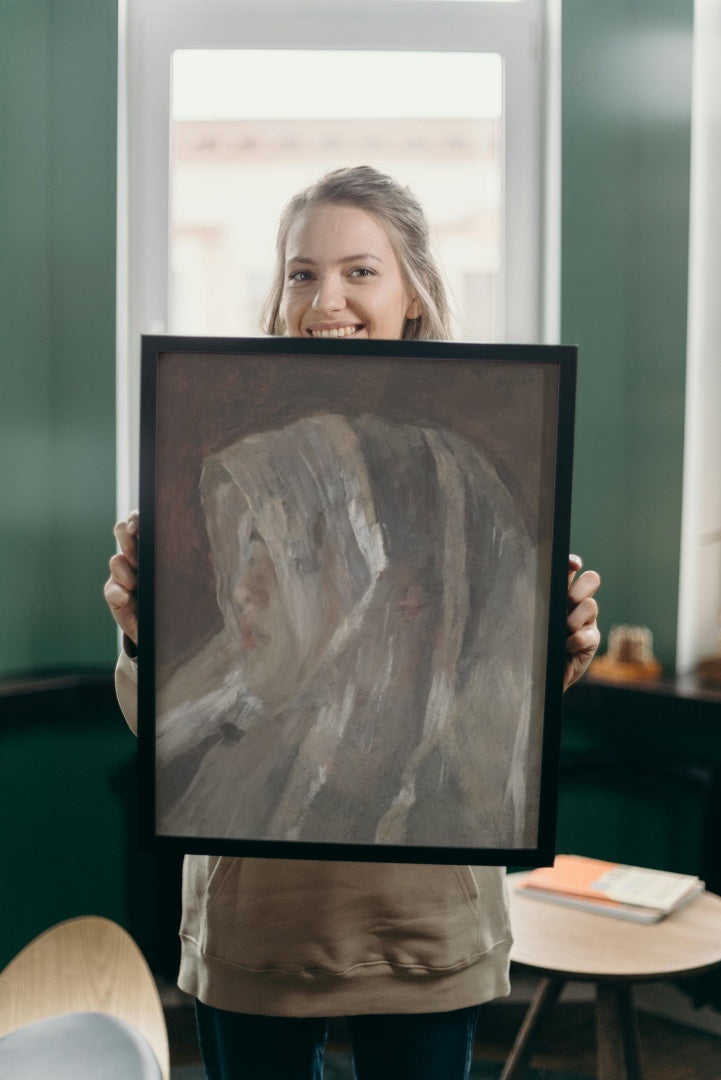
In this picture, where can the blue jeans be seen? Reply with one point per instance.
(415, 1046)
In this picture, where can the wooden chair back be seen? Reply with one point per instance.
(87, 964)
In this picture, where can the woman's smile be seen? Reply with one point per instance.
(335, 331)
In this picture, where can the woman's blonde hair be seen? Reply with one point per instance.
(403, 217)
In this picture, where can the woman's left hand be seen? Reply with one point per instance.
(583, 636)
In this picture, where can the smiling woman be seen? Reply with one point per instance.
(386, 708)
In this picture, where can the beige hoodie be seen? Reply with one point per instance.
(298, 938)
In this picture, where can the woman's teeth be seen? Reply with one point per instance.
(337, 331)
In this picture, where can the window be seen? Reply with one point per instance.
(236, 161)
(227, 107)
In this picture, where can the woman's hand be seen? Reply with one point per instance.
(583, 636)
(121, 587)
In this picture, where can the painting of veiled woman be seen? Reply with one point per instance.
(373, 681)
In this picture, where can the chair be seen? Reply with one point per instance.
(79, 1002)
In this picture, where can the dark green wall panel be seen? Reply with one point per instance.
(64, 788)
(641, 778)
(68, 801)
(626, 145)
(58, 77)
(82, 299)
(26, 487)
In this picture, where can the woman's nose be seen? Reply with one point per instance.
(329, 296)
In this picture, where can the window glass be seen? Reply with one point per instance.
(471, 1)
(251, 127)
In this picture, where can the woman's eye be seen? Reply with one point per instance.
(362, 272)
(300, 276)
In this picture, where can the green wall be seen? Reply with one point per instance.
(641, 781)
(68, 804)
(58, 72)
(626, 146)
(67, 777)
(626, 133)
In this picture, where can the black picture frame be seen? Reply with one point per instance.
(352, 597)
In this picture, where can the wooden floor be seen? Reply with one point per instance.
(669, 1051)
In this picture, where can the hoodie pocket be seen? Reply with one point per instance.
(468, 884)
(202, 876)
(296, 916)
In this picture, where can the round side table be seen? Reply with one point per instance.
(563, 944)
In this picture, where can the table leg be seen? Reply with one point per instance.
(545, 997)
(617, 1033)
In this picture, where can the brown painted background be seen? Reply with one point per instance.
(207, 401)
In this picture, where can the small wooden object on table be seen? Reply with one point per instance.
(629, 658)
(562, 944)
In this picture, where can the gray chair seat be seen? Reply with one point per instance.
(78, 1046)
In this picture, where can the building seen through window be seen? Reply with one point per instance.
(233, 171)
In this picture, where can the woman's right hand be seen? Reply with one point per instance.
(121, 587)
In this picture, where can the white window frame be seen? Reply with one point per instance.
(699, 597)
(526, 34)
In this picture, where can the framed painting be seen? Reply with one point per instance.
(352, 597)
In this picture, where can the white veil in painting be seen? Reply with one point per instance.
(373, 682)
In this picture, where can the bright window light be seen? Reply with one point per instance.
(238, 155)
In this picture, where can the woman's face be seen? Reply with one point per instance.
(255, 613)
(273, 606)
(342, 277)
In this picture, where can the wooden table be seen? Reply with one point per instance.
(563, 944)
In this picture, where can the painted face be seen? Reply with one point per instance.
(255, 613)
(275, 606)
(342, 277)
